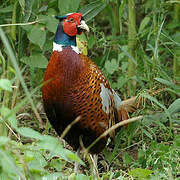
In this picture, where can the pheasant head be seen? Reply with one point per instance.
(69, 26)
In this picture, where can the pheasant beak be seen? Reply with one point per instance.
(83, 26)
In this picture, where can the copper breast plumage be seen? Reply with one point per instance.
(74, 86)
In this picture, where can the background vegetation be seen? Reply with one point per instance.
(137, 46)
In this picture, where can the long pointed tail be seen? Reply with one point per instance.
(132, 104)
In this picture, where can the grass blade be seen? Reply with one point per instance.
(18, 72)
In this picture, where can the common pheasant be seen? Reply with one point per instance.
(74, 86)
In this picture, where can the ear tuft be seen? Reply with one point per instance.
(60, 17)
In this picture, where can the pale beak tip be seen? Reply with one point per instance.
(84, 26)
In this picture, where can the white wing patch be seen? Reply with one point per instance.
(117, 99)
(59, 48)
(106, 99)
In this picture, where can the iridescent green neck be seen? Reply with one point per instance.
(62, 38)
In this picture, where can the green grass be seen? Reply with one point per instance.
(147, 149)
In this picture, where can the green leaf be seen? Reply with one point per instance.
(92, 9)
(35, 60)
(79, 176)
(7, 9)
(124, 66)
(111, 66)
(8, 164)
(140, 173)
(56, 149)
(11, 119)
(22, 3)
(57, 164)
(28, 10)
(144, 23)
(167, 83)
(173, 91)
(28, 156)
(74, 157)
(50, 143)
(30, 133)
(35, 166)
(176, 141)
(37, 36)
(124, 49)
(141, 155)
(28, 28)
(38, 163)
(51, 12)
(156, 101)
(5, 84)
(50, 21)
(147, 133)
(163, 81)
(53, 145)
(175, 106)
(52, 24)
(55, 175)
(91, 42)
(68, 6)
(121, 81)
(4, 140)
(127, 159)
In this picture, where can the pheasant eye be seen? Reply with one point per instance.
(71, 19)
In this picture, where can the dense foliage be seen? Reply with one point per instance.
(137, 46)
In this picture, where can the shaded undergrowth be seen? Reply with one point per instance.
(147, 149)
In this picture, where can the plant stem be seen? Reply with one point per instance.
(13, 28)
(3, 129)
(121, 9)
(115, 12)
(131, 45)
(2, 62)
(176, 59)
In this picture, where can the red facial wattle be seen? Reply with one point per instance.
(70, 24)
